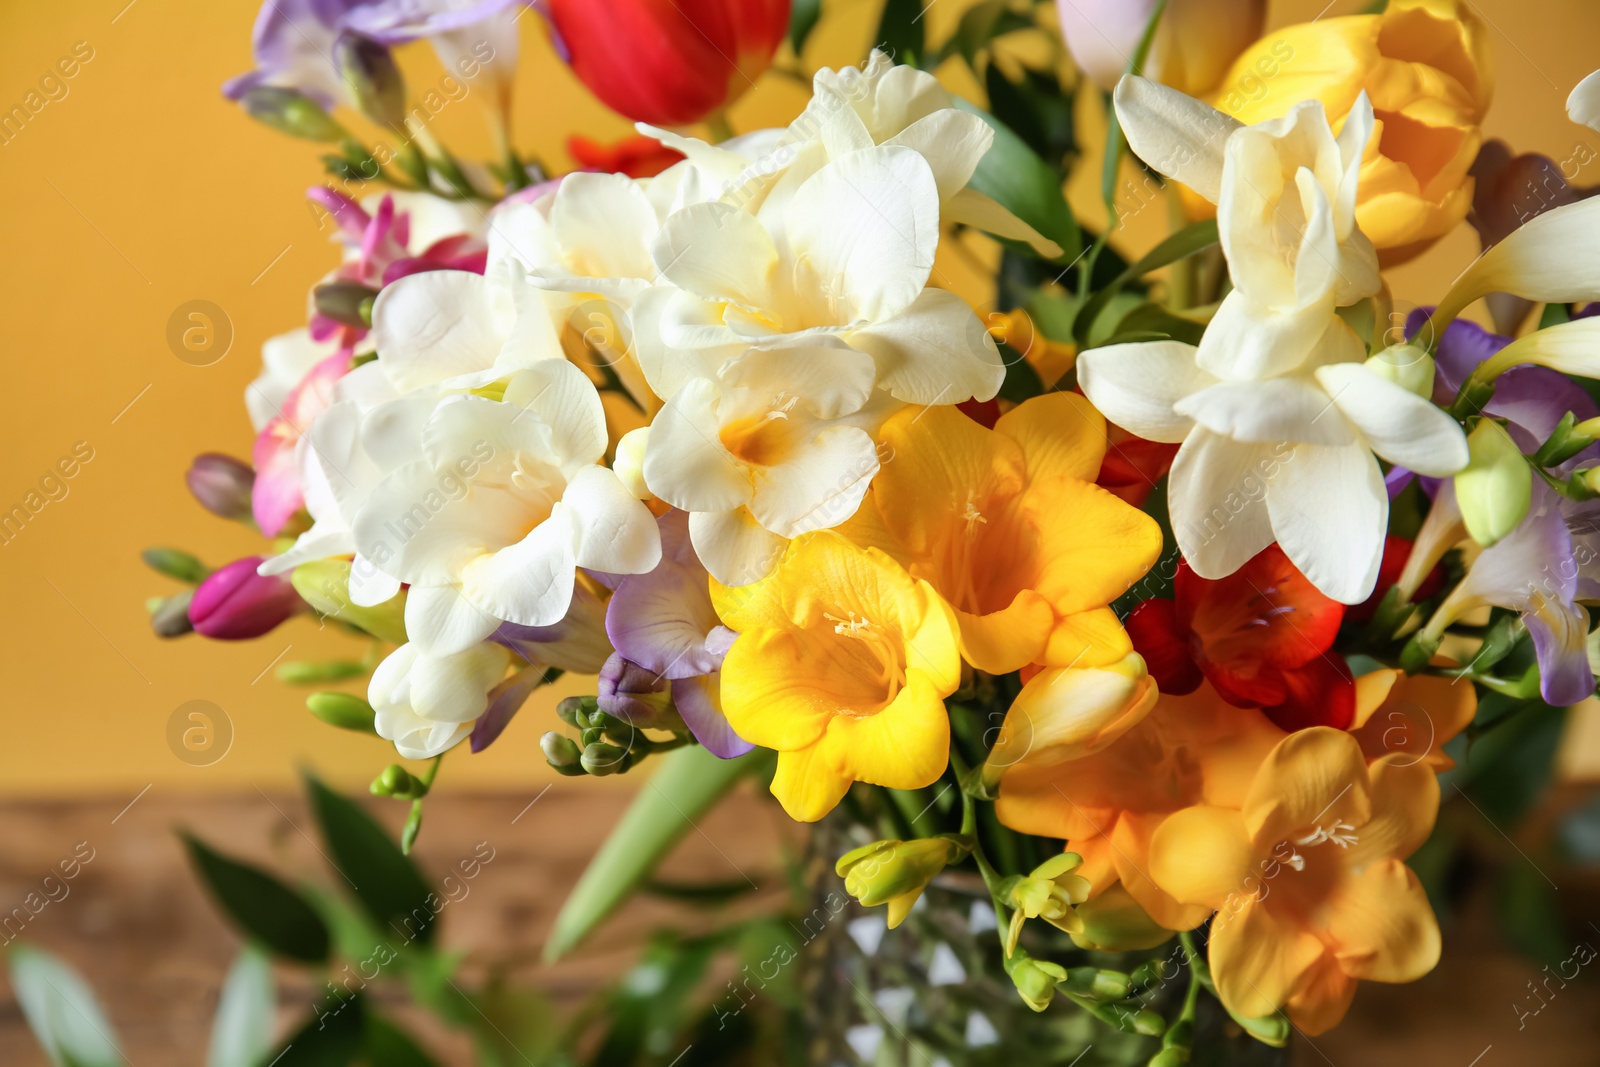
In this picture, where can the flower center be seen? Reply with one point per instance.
(878, 644)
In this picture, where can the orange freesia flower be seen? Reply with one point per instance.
(1008, 527)
(1188, 750)
(1411, 717)
(1307, 879)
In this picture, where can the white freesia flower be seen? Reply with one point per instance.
(426, 704)
(1553, 258)
(1285, 192)
(776, 443)
(850, 260)
(1583, 106)
(1277, 413)
(507, 502)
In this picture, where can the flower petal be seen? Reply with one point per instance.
(934, 351)
(1138, 386)
(1312, 779)
(1329, 511)
(1175, 133)
(1382, 927)
(1217, 497)
(1400, 426)
(615, 531)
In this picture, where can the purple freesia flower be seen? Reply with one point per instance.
(662, 624)
(293, 40)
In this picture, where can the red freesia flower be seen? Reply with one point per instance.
(668, 62)
(1261, 636)
(1133, 466)
(637, 156)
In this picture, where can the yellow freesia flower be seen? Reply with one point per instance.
(1009, 527)
(1425, 65)
(842, 664)
(1411, 716)
(1307, 880)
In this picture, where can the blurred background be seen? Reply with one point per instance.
(136, 190)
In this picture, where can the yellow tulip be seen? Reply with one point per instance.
(1009, 527)
(1307, 879)
(1425, 66)
(842, 664)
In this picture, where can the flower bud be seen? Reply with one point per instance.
(175, 563)
(1035, 979)
(629, 464)
(171, 615)
(562, 753)
(314, 672)
(1194, 44)
(292, 112)
(349, 303)
(236, 603)
(601, 759)
(575, 711)
(1114, 922)
(1064, 713)
(221, 484)
(397, 782)
(1173, 1056)
(325, 585)
(896, 872)
(633, 694)
(373, 78)
(1496, 487)
(1406, 365)
(344, 711)
(1098, 984)
(1049, 892)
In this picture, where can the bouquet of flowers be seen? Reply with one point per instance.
(1144, 610)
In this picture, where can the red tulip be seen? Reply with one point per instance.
(668, 62)
(1262, 636)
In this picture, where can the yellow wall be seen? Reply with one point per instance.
(140, 190)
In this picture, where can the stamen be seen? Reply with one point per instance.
(1341, 834)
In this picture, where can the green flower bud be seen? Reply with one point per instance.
(562, 753)
(1114, 922)
(397, 782)
(292, 112)
(305, 673)
(896, 872)
(1050, 892)
(601, 759)
(1496, 487)
(1408, 366)
(1035, 979)
(325, 585)
(575, 711)
(175, 563)
(344, 711)
(1098, 984)
(346, 302)
(1564, 442)
(1269, 1029)
(1175, 1056)
(171, 618)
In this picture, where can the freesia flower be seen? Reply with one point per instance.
(285, 361)
(234, 603)
(1307, 879)
(662, 623)
(1554, 258)
(507, 502)
(775, 443)
(1412, 717)
(1188, 750)
(668, 62)
(278, 492)
(427, 704)
(848, 257)
(1051, 891)
(1262, 636)
(1067, 713)
(1538, 572)
(1425, 66)
(1008, 527)
(896, 872)
(1194, 45)
(842, 664)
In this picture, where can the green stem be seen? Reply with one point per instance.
(721, 129)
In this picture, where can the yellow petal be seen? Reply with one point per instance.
(1313, 778)
(904, 746)
(1010, 639)
(1060, 434)
(1381, 926)
(1323, 998)
(1092, 544)
(1131, 848)
(765, 694)
(1258, 958)
(806, 786)
(1093, 638)
(936, 459)
(1405, 801)
(1202, 855)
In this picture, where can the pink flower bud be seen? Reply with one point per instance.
(222, 484)
(236, 603)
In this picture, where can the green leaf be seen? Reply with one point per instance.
(389, 1046)
(1181, 245)
(690, 780)
(803, 18)
(1158, 321)
(703, 894)
(262, 906)
(1529, 914)
(981, 24)
(388, 885)
(1013, 175)
(62, 1011)
(901, 31)
(332, 1037)
(241, 1033)
(1509, 765)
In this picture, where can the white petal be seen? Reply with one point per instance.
(369, 586)
(952, 142)
(616, 532)
(865, 228)
(974, 209)
(437, 325)
(1174, 133)
(602, 222)
(735, 548)
(717, 252)
(440, 621)
(1329, 511)
(828, 377)
(466, 433)
(1217, 497)
(818, 487)
(1137, 386)
(1553, 257)
(1291, 408)
(529, 582)
(1400, 426)
(714, 160)
(456, 688)
(687, 465)
(1246, 340)
(422, 526)
(1583, 106)
(936, 351)
(564, 399)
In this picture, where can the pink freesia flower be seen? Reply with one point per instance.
(278, 493)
